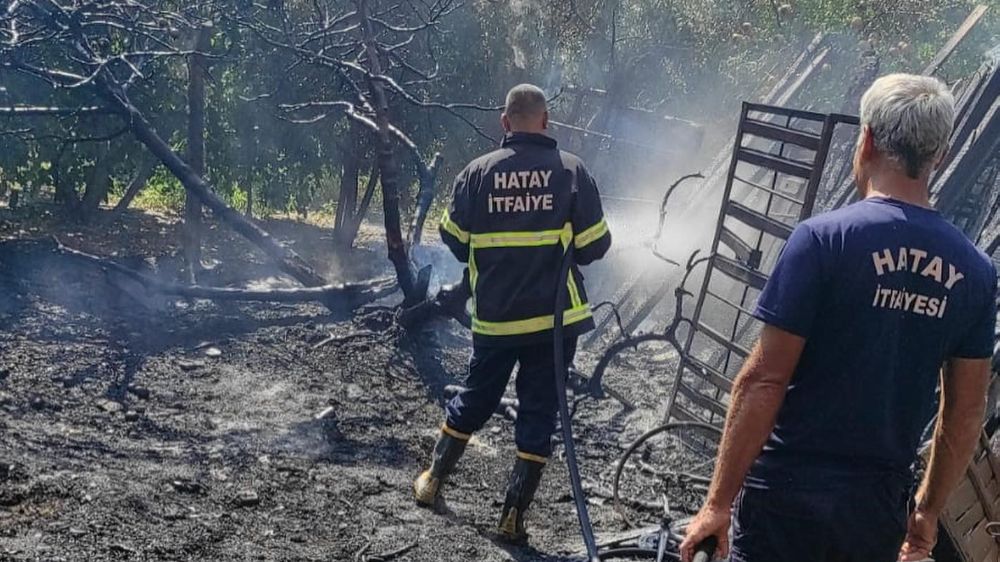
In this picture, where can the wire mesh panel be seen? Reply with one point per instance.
(777, 165)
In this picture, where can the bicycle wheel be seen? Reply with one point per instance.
(672, 461)
(652, 356)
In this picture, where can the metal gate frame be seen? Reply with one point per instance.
(704, 401)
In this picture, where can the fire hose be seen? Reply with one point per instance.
(561, 373)
(705, 550)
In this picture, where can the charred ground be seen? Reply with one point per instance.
(186, 430)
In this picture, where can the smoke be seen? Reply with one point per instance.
(525, 15)
(445, 268)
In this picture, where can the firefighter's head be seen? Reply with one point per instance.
(525, 110)
(906, 121)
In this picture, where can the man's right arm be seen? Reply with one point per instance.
(960, 421)
(591, 239)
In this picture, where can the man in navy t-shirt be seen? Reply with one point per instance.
(868, 310)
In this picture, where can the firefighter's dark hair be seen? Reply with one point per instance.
(525, 101)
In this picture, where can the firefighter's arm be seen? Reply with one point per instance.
(455, 226)
(591, 238)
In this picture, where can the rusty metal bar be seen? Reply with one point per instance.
(758, 221)
(766, 189)
(781, 134)
(723, 340)
(743, 251)
(772, 162)
(706, 402)
(711, 374)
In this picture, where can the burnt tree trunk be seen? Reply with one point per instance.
(354, 225)
(289, 262)
(197, 71)
(252, 163)
(98, 182)
(248, 212)
(142, 176)
(347, 202)
(65, 193)
(425, 196)
(398, 254)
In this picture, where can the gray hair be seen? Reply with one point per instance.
(910, 118)
(525, 101)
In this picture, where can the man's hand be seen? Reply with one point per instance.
(709, 521)
(921, 536)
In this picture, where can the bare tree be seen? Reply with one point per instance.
(106, 49)
(370, 55)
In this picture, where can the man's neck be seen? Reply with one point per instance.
(900, 187)
(526, 132)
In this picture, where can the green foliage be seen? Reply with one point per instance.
(163, 193)
(694, 59)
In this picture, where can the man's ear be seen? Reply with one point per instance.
(545, 120)
(867, 149)
(940, 158)
(863, 154)
(505, 122)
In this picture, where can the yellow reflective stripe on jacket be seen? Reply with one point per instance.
(591, 234)
(473, 277)
(529, 325)
(452, 228)
(520, 239)
(574, 293)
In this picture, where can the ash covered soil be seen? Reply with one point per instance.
(136, 429)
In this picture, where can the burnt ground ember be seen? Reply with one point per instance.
(187, 430)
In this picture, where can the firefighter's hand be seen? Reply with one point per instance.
(709, 521)
(921, 535)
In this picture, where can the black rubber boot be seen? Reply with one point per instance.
(446, 453)
(524, 480)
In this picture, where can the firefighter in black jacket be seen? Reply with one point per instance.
(515, 212)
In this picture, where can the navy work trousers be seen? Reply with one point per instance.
(854, 522)
(489, 371)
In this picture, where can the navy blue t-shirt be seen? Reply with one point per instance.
(884, 293)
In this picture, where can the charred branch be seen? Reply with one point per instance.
(37, 111)
(333, 296)
(289, 261)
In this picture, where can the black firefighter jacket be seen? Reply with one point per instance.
(514, 213)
